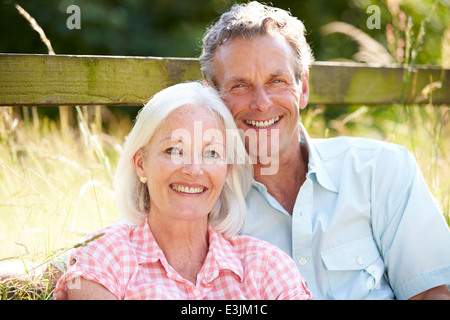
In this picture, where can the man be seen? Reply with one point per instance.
(355, 214)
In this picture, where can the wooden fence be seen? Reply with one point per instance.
(54, 80)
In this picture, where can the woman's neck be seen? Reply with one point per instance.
(184, 244)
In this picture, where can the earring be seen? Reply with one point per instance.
(143, 179)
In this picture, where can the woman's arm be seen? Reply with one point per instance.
(82, 289)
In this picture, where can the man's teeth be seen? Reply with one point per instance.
(186, 189)
(262, 124)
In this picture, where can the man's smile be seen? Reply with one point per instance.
(262, 124)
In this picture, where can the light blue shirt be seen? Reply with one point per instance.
(364, 225)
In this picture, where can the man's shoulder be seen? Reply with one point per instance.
(355, 146)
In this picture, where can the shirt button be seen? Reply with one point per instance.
(303, 261)
(359, 260)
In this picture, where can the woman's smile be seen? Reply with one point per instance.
(186, 189)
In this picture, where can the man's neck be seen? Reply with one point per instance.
(285, 184)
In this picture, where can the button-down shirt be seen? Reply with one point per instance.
(364, 225)
(129, 263)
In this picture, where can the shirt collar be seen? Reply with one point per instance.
(221, 254)
(315, 164)
(145, 245)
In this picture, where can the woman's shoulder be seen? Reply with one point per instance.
(107, 237)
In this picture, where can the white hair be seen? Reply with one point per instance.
(133, 200)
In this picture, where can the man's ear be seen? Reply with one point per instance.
(304, 97)
(138, 161)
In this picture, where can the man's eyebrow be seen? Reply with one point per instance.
(273, 74)
(278, 73)
(236, 79)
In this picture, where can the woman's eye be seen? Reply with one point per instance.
(212, 154)
(174, 151)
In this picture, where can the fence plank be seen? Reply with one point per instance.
(110, 80)
(86, 80)
(355, 83)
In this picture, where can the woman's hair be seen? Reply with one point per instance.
(133, 199)
(248, 21)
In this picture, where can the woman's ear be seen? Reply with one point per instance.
(138, 161)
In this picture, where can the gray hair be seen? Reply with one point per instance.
(132, 197)
(248, 21)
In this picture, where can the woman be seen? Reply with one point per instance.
(182, 179)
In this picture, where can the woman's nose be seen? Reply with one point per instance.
(193, 170)
(194, 167)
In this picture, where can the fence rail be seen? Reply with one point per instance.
(53, 80)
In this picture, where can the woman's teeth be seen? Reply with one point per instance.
(262, 124)
(186, 189)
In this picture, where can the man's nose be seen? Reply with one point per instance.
(261, 99)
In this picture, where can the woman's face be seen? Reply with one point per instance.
(185, 163)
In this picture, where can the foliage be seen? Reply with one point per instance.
(175, 27)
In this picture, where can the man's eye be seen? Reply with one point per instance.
(238, 86)
(174, 151)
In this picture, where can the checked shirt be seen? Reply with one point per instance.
(128, 262)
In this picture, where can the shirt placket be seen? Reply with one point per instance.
(302, 234)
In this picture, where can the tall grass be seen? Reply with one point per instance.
(54, 186)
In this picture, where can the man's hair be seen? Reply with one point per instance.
(248, 21)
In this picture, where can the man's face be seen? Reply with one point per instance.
(258, 83)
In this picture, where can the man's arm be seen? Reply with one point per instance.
(436, 293)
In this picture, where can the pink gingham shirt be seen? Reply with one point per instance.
(129, 263)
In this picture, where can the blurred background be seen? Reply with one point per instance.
(174, 28)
